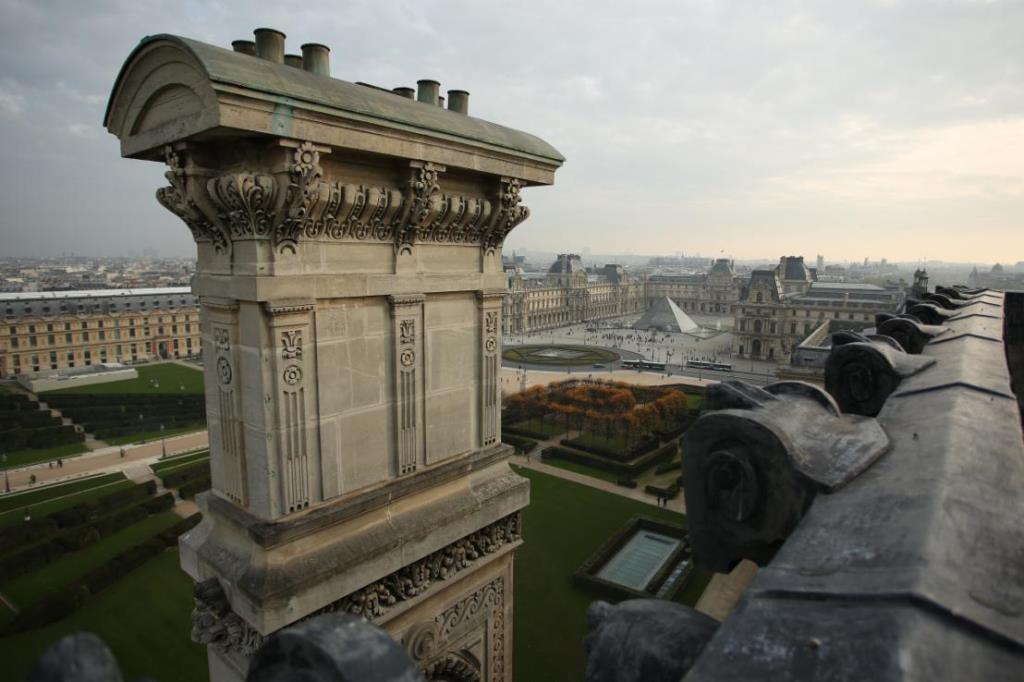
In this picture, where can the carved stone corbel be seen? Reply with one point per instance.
(755, 463)
(179, 198)
(908, 331)
(423, 202)
(861, 372)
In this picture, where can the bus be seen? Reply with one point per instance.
(644, 364)
(701, 364)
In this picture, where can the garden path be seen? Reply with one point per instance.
(106, 460)
(676, 505)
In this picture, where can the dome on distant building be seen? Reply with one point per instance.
(793, 268)
(997, 269)
(567, 263)
(722, 266)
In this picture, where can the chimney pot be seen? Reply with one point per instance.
(458, 101)
(316, 58)
(244, 46)
(270, 44)
(293, 60)
(428, 91)
(440, 102)
(408, 93)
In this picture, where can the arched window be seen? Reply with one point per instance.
(760, 297)
(757, 326)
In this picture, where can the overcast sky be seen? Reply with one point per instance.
(754, 129)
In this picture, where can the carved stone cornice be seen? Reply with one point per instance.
(286, 307)
(399, 301)
(215, 624)
(295, 204)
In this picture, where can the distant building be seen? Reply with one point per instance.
(713, 292)
(52, 330)
(780, 308)
(996, 278)
(567, 294)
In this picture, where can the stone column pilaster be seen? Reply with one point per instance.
(490, 366)
(407, 321)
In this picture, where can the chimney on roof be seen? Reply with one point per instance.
(244, 46)
(428, 91)
(408, 93)
(270, 44)
(316, 58)
(458, 101)
(293, 60)
(440, 102)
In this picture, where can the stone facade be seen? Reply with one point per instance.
(350, 285)
(58, 330)
(713, 293)
(779, 308)
(568, 295)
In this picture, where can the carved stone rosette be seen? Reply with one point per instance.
(490, 359)
(290, 325)
(214, 623)
(228, 466)
(407, 319)
(293, 202)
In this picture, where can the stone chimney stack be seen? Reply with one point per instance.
(350, 284)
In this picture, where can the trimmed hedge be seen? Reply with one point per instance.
(667, 467)
(192, 488)
(624, 469)
(642, 446)
(185, 474)
(669, 492)
(519, 443)
(524, 433)
(66, 600)
(72, 539)
(626, 482)
(15, 536)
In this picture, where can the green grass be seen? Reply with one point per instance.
(20, 458)
(146, 436)
(582, 469)
(564, 524)
(28, 498)
(178, 461)
(170, 375)
(540, 425)
(26, 589)
(145, 619)
(9, 518)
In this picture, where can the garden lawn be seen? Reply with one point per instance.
(564, 524)
(145, 619)
(70, 499)
(26, 498)
(26, 589)
(153, 435)
(170, 375)
(178, 461)
(20, 458)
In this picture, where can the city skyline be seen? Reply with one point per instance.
(889, 124)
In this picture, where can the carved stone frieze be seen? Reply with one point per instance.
(297, 203)
(214, 623)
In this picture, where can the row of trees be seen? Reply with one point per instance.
(605, 407)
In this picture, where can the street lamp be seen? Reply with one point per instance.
(163, 443)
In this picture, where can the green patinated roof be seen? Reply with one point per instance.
(288, 83)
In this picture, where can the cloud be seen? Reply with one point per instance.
(11, 103)
(687, 124)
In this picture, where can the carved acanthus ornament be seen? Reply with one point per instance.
(214, 623)
(296, 203)
(178, 199)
